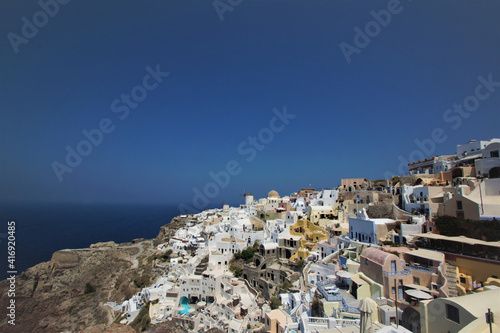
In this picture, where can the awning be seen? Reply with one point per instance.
(418, 294)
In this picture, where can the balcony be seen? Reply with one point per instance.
(423, 269)
(397, 273)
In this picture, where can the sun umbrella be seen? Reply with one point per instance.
(366, 315)
(418, 294)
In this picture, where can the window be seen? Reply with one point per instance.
(393, 290)
(416, 280)
(452, 313)
(366, 262)
(462, 280)
(459, 204)
(400, 282)
(494, 153)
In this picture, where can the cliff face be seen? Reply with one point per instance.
(66, 294)
(168, 230)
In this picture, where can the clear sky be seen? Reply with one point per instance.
(80, 68)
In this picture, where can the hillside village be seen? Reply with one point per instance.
(415, 253)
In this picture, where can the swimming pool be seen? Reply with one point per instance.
(185, 305)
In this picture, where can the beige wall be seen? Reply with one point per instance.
(433, 317)
(478, 269)
(469, 207)
(375, 271)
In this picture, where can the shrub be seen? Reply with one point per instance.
(300, 263)
(142, 281)
(142, 322)
(167, 254)
(275, 302)
(286, 286)
(455, 226)
(89, 288)
(248, 254)
(236, 270)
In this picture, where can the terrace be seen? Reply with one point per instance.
(332, 293)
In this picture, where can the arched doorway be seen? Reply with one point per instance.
(494, 172)
(411, 319)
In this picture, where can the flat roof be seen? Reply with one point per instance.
(290, 236)
(458, 239)
(359, 281)
(427, 254)
(383, 221)
(279, 315)
(268, 246)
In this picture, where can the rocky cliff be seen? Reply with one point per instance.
(67, 293)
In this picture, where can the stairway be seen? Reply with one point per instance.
(451, 277)
(202, 266)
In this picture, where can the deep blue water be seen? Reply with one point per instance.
(42, 229)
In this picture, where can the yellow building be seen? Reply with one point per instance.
(311, 235)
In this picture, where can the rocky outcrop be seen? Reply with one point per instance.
(65, 257)
(169, 230)
(111, 244)
(59, 296)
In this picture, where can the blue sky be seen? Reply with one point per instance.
(225, 78)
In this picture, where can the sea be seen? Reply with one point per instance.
(42, 229)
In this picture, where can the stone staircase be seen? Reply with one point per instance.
(202, 266)
(451, 277)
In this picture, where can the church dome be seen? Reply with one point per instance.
(273, 194)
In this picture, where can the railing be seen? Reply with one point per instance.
(350, 309)
(292, 328)
(317, 320)
(397, 273)
(423, 269)
(336, 298)
(329, 322)
(348, 322)
(327, 281)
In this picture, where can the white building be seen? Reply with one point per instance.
(473, 147)
(366, 230)
(325, 198)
